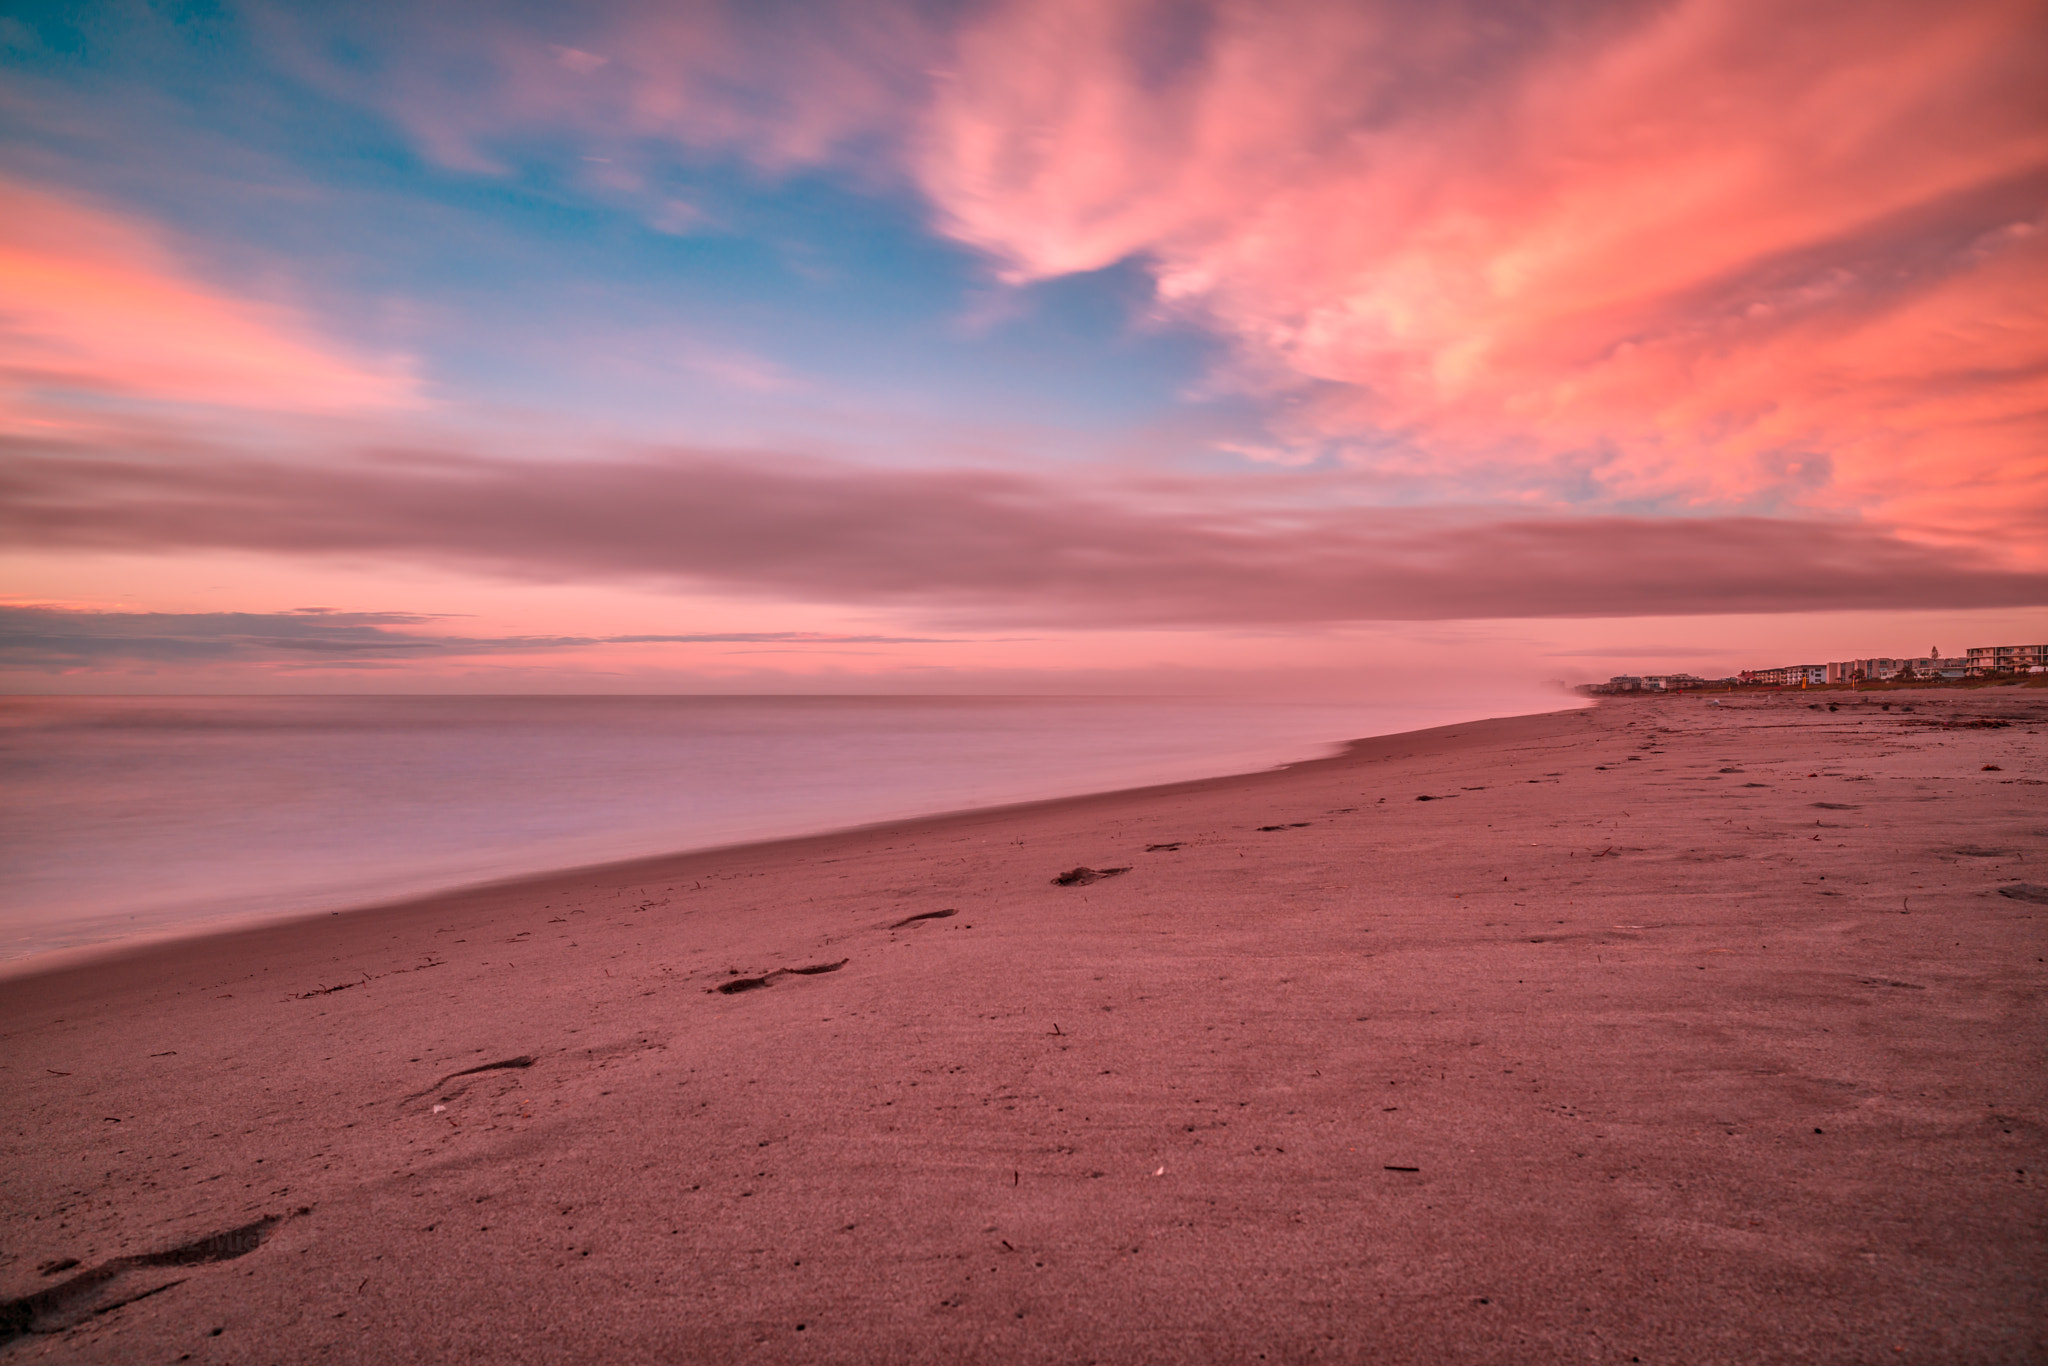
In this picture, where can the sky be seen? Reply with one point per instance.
(1292, 348)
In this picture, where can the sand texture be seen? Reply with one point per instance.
(1665, 1032)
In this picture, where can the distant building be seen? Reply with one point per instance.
(2004, 659)
(1936, 666)
(1979, 661)
(1788, 676)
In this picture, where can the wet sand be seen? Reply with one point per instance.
(1663, 1032)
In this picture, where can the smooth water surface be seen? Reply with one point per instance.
(140, 815)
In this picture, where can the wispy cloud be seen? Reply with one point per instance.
(734, 366)
(786, 84)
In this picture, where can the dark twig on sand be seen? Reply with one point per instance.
(923, 915)
(740, 984)
(1081, 877)
(524, 1060)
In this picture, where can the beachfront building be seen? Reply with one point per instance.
(1936, 665)
(1933, 664)
(1626, 683)
(2007, 659)
(1980, 660)
(1788, 676)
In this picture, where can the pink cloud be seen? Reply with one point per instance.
(95, 302)
(1715, 236)
(972, 549)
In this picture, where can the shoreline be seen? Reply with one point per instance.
(214, 873)
(85, 957)
(1619, 1043)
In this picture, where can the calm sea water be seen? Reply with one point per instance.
(145, 815)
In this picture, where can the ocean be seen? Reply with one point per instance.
(146, 816)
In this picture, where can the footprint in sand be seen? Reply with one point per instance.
(123, 1280)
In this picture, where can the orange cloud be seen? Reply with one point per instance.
(92, 301)
(1718, 250)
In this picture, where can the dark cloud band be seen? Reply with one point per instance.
(56, 637)
(974, 549)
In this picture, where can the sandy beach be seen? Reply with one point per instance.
(1664, 1031)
